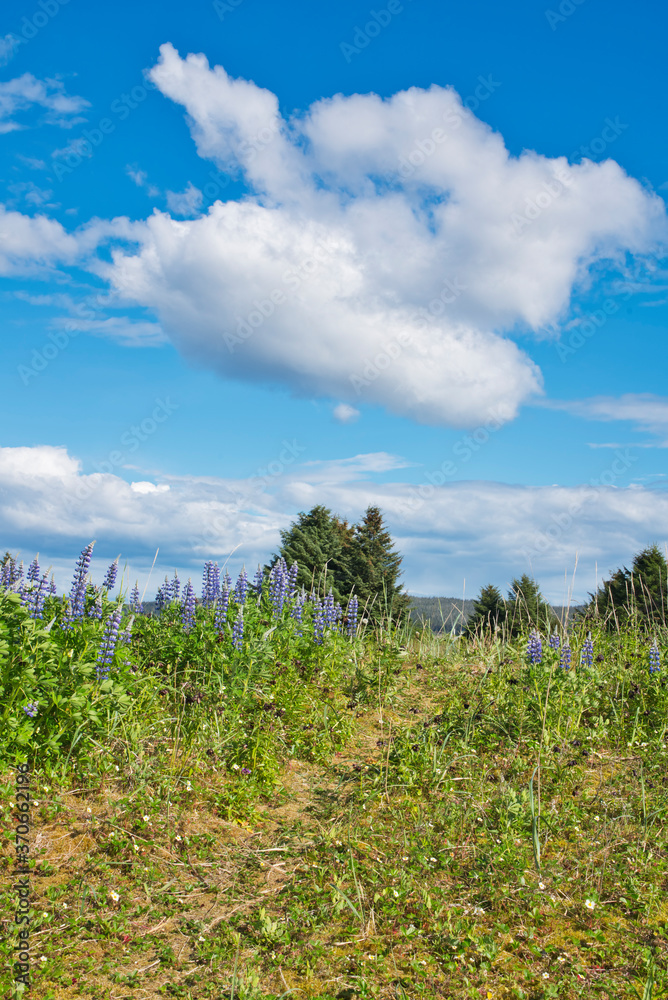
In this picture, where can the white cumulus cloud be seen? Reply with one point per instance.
(386, 251)
(463, 531)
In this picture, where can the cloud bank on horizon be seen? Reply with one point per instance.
(385, 251)
(51, 504)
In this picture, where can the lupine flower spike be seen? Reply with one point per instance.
(108, 645)
(353, 606)
(654, 658)
(238, 631)
(135, 602)
(565, 657)
(188, 607)
(587, 655)
(535, 648)
(109, 581)
(554, 640)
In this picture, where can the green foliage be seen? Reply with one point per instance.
(640, 592)
(374, 568)
(489, 611)
(56, 669)
(526, 608)
(318, 542)
(348, 558)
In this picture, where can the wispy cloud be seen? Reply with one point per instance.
(648, 413)
(26, 92)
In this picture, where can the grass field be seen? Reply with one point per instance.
(390, 815)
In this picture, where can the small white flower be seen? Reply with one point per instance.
(45, 914)
(395, 894)
(177, 837)
(235, 767)
(189, 787)
(114, 896)
(35, 803)
(116, 766)
(43, 958)
(89, 810)
(404, 859)
(590, 904)
(561, 959)
(200, 938)
(541, 885)
(65, 906)
(546, 975)
(145, 818)
(433, 859)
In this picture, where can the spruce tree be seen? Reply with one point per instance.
(527, 608)
(489, 611)
(316, 542)
(641, 590)
(374, 567)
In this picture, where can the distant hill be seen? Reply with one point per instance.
(443, 614)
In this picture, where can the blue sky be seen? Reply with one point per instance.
(468, 271)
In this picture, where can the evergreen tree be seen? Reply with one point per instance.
(316, 542)
(373, 568)
(526, 608)
(489, 611)
(641, 590)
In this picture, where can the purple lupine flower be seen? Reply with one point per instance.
(278, 585)
(535, 648)
(175, 587)
(220, 617)
(210, 583)
(108, 644)
(298, 608)
(565, 657)
(136, 605)
(318, 618)
(96, 608)
(554, 641)
(227, 581)
(77, 598)
(52, 586)
(188, 607)
(33, 570)
(587, 654)
(159, 601)
(353, 606)
(258, 580)
(109, 581)
(31, 708)
(654, 658)
(126, 634)
(328, 610)
(238, 631)
(292, 579)
(245, 770)
(241, 587)
(36, 597)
